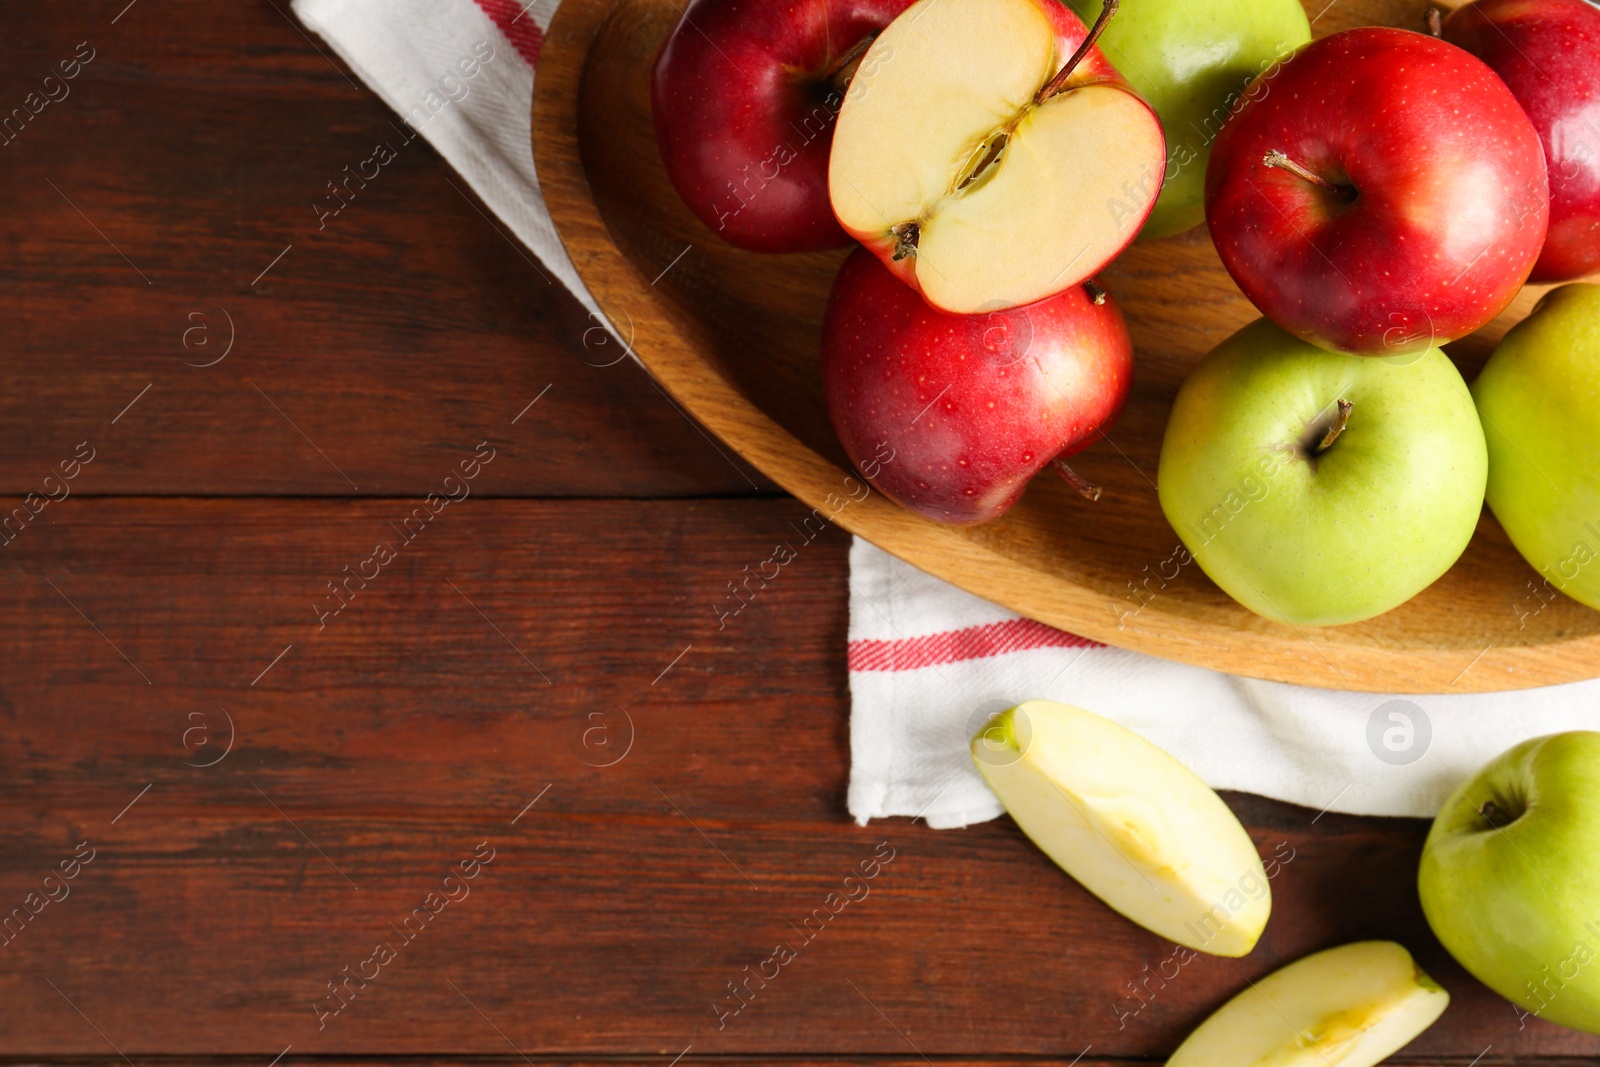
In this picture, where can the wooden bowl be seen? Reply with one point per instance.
(733, 336)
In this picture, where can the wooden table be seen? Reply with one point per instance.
(266, 788)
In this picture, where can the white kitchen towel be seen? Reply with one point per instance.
(928, 662)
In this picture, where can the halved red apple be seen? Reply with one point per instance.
(990, 155)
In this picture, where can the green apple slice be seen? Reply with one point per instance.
(1351, 1006)
(1136, 827)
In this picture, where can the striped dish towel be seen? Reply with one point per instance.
(929, 663)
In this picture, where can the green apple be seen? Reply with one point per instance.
(1510, 877)
(1317, 488)
(1351, 1006)
(1191, 60)
(1539, 396)
(1134, 826)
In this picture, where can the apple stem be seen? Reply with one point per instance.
(1096, 294)
(1496, 816)
(1056, 84)
(1340, 422)
(1080, 485)
(845, 69)
(1277, 159)
(1434, 21)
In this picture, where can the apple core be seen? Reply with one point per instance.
(985, 170)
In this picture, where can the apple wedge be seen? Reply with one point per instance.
(1134, 826)
(989, 154)
(1351, 1006)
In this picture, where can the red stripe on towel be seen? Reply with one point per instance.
(518, 26)
(953, 646)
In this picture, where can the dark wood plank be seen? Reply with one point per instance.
(381, 749)
(142, 206)
(694, 1059)
(372, 753)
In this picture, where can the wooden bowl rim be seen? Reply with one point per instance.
(666, 340)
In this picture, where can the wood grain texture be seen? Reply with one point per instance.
(371, 754)
(385, 747)
(195, 144)
(734, 337)
(693, 1060)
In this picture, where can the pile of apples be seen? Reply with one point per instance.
(1375, 194)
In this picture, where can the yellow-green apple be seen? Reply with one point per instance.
(1539, 396)
(1318, 488)
(1350, 1006)
(990, 155)
(1387, 195)
(1508, 878)
(969, 406)
(1136, 827)
(1191, 60)
(745, 94)
(1548, 53)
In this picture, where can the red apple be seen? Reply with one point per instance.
(1548, 52)
(955, 413)
(1379, 193)
(745, 94)
(990, 155)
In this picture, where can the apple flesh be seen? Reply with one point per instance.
(1351, 1006)
(1191, 62)
(1309, 511)
(1539, 398)
(1129, 822)
(975, 171)
(1508, 880)
(1384, 193)
(745, 94)
(1548, 53)
(970, 407)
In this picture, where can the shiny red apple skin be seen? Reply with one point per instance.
(1548, 53)
(744, 114)
(1451, 199)
(956, 413)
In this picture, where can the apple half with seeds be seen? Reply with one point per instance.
(1351, 1006)
(1131, 823)
(990, 155)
